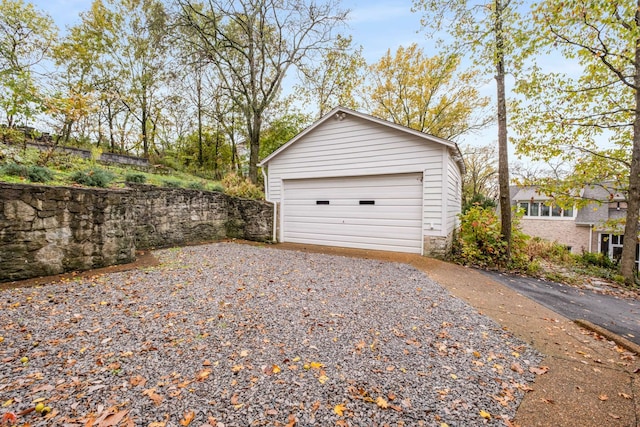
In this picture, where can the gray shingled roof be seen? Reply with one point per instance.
(526, 193)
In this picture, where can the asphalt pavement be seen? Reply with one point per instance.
(617, 314)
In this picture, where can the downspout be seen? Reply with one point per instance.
(267, 197)
(590, 237)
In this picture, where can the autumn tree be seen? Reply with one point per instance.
(332, 79)
(253, 43)
(280, 130)
(26, 38)
(592, 118)
(426, 94)
(490, 32)
(481, 177)
(78, 58)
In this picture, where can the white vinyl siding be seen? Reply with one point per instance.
(356, 147)
(454, 196)
(328, 211)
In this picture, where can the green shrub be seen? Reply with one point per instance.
(480, 243)
(239, 186)
(597, 259)
(480, 240)
(195, 185)
(39, 174)
(14, 169)
(94, 177)
(134, 177)
(215, 186)
(171, 183)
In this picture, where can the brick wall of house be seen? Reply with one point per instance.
(565, 232)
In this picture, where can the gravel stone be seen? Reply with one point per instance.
(253, 336)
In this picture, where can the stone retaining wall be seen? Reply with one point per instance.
(49, 230)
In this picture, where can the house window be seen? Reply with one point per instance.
(544, 209)
(539, 209)
(535, 209)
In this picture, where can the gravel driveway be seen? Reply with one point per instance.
(237, 335)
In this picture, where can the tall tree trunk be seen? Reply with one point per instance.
(216, 162)
(112, 137)
(503, 159)
(199, 101)
(628, 259)
(143, 121)
(254, 147)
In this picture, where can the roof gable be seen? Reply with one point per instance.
(339, 113)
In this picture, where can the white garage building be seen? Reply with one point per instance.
(353, 180)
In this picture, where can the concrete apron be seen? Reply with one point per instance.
(590, 381)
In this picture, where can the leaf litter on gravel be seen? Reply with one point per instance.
(236, 335)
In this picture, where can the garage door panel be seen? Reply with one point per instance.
(355, 230)
(348, 206)
(398, 222)
(323, 239)
(355, 193)
(393, 223)
(357, 181)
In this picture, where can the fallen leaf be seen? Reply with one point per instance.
(603, 397)
(113, 419)
(624, 395)
(202, 375)
(187, 418)
(234, 399)
(292, 421)
(316, 365)
(155, 397)
(539, 370)
(323, 379)
(137, 380)
(158, 424)
(381, 402)
(615, 417)
(276, 369)
(517, 368)
(206, 363)
(339, 409)
(551, 401)
(273, 412)
(485, 415)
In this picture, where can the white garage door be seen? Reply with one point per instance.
(371, 212)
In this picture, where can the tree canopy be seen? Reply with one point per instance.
(591, 118)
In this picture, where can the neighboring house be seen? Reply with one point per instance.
(354, 180)
(581, 230)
